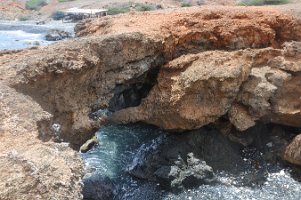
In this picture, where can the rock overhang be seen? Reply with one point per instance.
(63, 83)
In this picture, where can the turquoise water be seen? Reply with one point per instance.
(118, 148)
(122, 145)
(18, 39)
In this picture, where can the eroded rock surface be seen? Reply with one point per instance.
(48, 93)
(292, 152)
(247, 85)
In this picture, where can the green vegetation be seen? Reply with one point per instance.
(186, 3)
(118, 9)
(35, 4)
(126, 7)
(262, 2)
(144, 7)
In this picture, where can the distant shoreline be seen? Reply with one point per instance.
(15, 35)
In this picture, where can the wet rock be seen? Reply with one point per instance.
(55, 35)
(187, 160)
(292, 152)
(40, 22)
(187, 174)
(89, 144)
(63, 83)
(97, 187)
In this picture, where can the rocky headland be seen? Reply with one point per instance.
(177, 69)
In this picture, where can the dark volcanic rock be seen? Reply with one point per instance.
(185, 174)
(97, 187)
(190, 159)
(55, 35)
(186, 160)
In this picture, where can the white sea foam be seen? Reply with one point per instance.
(20, 39)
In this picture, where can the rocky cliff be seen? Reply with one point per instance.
(179, 69)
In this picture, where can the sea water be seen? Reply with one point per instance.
(19, 39)
(121, 145)
(19, 35)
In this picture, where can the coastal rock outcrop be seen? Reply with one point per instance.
(163, 72)
(246, 85)
(55, 35)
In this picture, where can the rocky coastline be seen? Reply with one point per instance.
(183, 70)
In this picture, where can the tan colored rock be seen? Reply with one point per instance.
(292, 152)
(240, 117)
(89, 144)
(197, 89)
(201, 28)
(48, 93)
(192, 91)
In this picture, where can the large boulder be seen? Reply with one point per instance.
(55, 35)
(246, 86)
(292, 152)
(185, 174)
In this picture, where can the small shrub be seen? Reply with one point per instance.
(58, 15)
(126, 7)
(275, 2)
(185, 3)
(35, 4)
(118, 9)
(144, 7)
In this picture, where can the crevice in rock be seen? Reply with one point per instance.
(130, 94)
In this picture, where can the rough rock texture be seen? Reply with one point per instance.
(30, 169)
(47, 94)
(247, 85)
(196, 29)
(89, 144)
(185, 173)
(181, 160)
(54, 35)
(97, 187)
(292, 152)
(83, 76)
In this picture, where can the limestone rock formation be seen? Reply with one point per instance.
(89, 144)
(247, 85)
(162, 72)
(292, 152)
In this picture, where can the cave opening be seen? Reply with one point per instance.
(130, 94)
